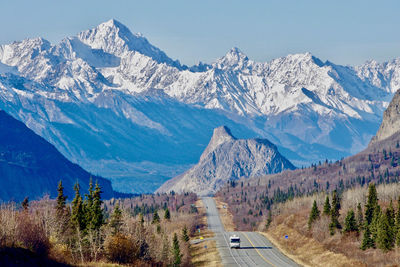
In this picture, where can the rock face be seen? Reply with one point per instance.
(31, 167)
(227, 158)
(391, 120)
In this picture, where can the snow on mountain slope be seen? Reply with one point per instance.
(310, 109)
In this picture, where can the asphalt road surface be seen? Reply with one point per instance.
(255, 249)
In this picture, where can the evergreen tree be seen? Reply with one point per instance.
(156, 218)
(269, 219)
(367, 241)
(176, 251)
(350, 223)
(88, 205)
(77, 215)
(375, 222)
(335, 213)
(97, 219)
(25, 204)
(61, 200)
(327, 206)
(390, 214)
(167, 215)
(141, 219)
(314, 214)
(116, 220)
(384, 239)
(360, 218)
(372, 201)
(185, 236)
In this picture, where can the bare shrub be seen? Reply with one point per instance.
(31, 235)
(121, 249)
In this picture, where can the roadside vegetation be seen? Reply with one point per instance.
(148, 230)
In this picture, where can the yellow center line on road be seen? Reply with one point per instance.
(258, 251)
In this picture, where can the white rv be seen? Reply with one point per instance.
(234, 241)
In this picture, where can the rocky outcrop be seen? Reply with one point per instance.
(227, 158)
(391, 120)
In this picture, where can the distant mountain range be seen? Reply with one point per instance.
(228, 159)
(31, 167)
(121, 108)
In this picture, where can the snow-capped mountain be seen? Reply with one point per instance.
(225, 159)
(120, 107)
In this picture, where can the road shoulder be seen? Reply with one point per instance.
(204, 251)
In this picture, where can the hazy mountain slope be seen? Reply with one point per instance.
(30, 166)
(227, 158)
(119, 106)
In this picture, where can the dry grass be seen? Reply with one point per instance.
(202, 256)
(305, 250)
(225, 215)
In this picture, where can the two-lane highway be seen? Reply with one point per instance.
(255, 249)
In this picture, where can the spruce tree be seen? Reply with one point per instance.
(185, 236)
(375, 222)
(390, 214)
(97, 219)
(176, 251)
(61, 200)
(88, 205)
(327, 206)
(314, 214)
(116, 220)
(167, 215)
(384, 239)
(25, 204)
(367, 241)
(350, 223)
(156, 218)
(141, 219)
(335, 213)
(77, 215)
(360, 217)
(372, 201)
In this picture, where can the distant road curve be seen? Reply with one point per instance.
(255, 249)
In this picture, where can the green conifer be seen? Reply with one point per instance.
(97, 219)
(367, 241)
(327, 206)
(61, 200)
(116, 220)
(156, 218)
(335, 213)
(314, 214)
(372, 201)
(77, 215)
(167, 214)
(350, 223)
(25, 204)
(176, 251)
(384, 239)
(185, 236)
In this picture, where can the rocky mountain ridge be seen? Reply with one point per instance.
(105, 97)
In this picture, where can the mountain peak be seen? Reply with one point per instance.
(235, 58)
(115, 38)
(222, 132)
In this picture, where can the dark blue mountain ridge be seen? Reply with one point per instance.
(32, 167)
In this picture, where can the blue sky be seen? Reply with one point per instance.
(344, 32)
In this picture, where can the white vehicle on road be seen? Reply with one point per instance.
(234, 241)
